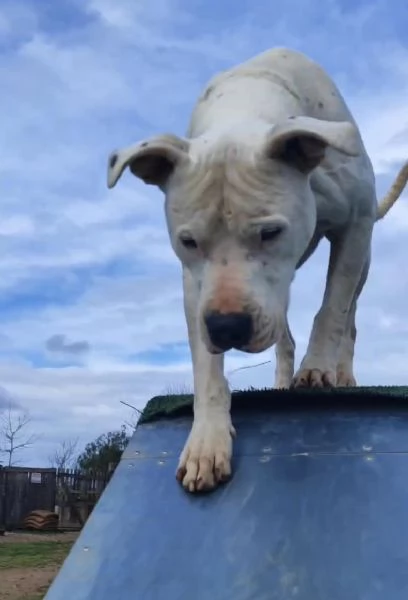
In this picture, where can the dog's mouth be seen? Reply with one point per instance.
(255, 349)
(256, 346)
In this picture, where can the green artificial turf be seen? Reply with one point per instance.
(358, 398)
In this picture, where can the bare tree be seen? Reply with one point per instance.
(65, 455)
(13, 438)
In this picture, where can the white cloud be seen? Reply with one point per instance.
(96, 265)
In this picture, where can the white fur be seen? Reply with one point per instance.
(271, 145)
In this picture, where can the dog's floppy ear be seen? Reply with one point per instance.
(152, 160)
(302, 141)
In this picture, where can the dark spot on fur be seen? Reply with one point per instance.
(208, 92)
(333, 93)
(265, 264)
(291, 117)
(224, 262)
(113, 160)
(144, 144)
(220, 95)
(320, 105)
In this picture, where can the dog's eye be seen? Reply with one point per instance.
(270, 233)
(188, 242)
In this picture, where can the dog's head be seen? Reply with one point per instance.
(240, 214)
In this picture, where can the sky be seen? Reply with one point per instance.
(91, 307)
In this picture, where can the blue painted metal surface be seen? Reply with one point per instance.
(317, 510)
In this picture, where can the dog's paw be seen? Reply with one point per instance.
(282, 382)
(206, 458)
(345, 379)
(314, 378)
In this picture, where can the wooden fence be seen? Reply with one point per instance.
(71, 494)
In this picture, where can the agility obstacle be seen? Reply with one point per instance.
(317, 508)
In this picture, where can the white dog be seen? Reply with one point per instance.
(273, 161)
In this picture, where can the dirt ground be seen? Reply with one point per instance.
(26, 584)
(31, 581)
(21, 538)
(11, 538)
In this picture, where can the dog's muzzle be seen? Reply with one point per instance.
(227, 331)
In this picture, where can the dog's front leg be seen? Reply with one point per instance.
(285, 359)
(348, 259)
(206, 458)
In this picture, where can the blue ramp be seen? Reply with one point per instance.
(317, 508)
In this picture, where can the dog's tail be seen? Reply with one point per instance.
(394, 192)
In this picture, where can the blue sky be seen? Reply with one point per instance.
(90, 292)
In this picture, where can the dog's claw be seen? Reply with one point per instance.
(314, 378)
(345, 379)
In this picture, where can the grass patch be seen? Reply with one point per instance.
(252, 400)
(33, 555)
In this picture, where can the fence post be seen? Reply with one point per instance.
(3, 498)
(2, 528)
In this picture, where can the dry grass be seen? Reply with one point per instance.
(29, 563)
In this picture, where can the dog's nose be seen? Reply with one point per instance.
(226, 331)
